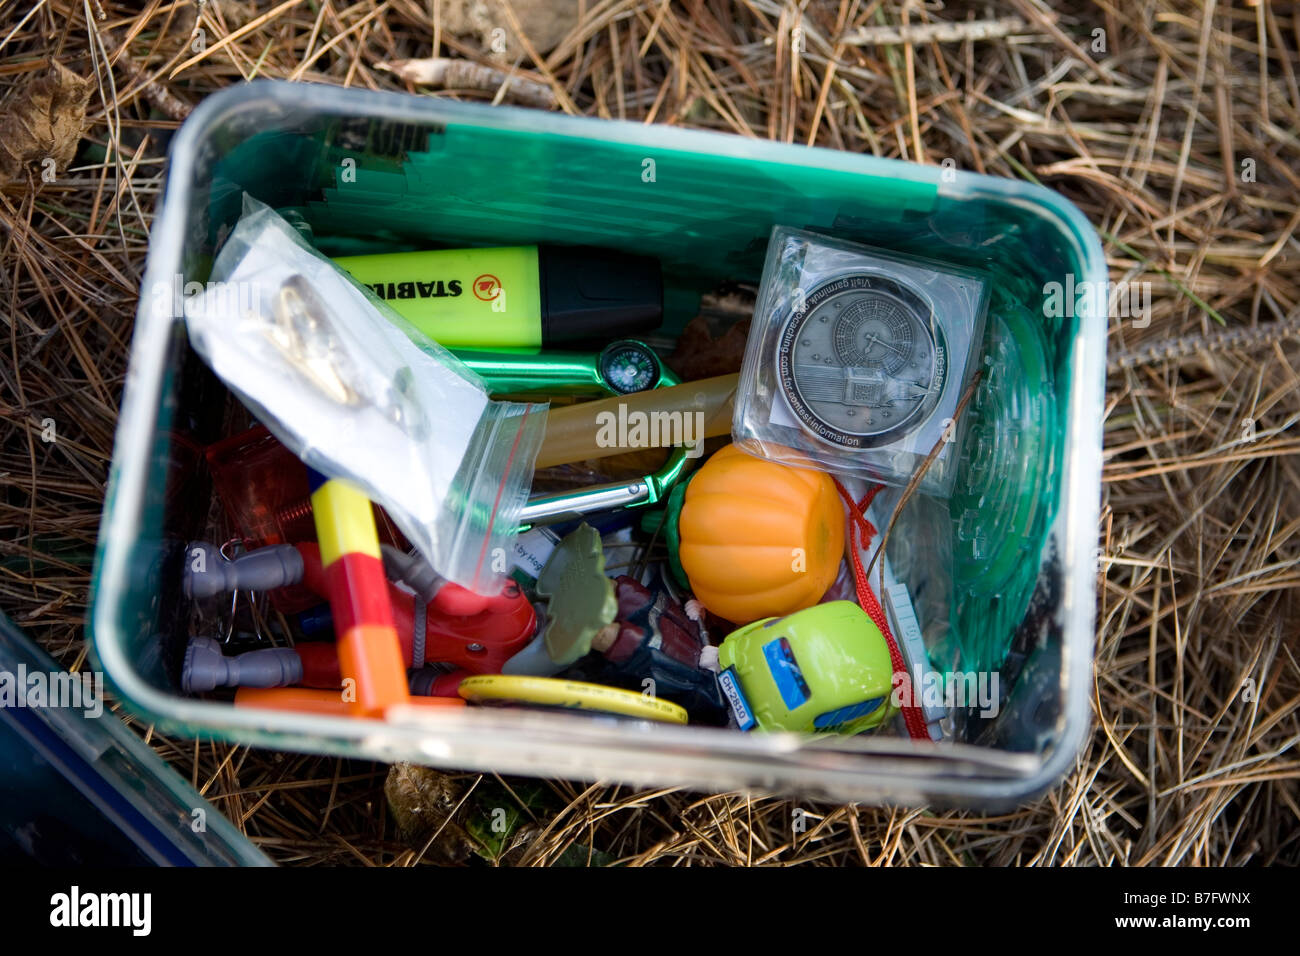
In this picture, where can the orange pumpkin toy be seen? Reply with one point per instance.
(759, 539)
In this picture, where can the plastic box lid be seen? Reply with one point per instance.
(82, 789)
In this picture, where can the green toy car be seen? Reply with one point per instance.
(825, 669)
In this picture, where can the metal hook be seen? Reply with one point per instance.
(234, 595)
(301, 331)
(646, 490)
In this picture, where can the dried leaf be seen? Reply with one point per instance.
(421, 800)
(43, 122)
(700, 355)
(544, 22)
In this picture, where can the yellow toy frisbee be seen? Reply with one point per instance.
(572, 694)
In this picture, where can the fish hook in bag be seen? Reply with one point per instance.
(301, 330)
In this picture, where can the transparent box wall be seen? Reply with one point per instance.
(377, 172)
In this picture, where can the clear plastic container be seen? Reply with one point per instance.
(379, 172)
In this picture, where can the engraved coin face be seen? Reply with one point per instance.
(864, 363)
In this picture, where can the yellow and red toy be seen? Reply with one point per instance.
(369, 651)
(369, 654)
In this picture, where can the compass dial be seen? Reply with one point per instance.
(863, 364)
(628, 366)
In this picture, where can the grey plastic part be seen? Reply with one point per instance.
(412, 571)
(533, 660)
(206, 668)
(208, 574)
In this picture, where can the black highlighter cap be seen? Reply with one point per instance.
(597, 293)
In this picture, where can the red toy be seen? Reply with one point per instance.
(474, 633)
(265, 493)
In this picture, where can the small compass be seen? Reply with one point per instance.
(864, 363)
(628, 366)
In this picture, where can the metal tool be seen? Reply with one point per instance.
(623, 367)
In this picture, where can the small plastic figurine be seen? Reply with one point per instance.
(620, 633)
(658, 646)
(579, 602)
(825, 669)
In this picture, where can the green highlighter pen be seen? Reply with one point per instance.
(517, 296)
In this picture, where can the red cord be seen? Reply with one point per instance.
(859, 525)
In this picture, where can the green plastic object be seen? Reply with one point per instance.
(621, 367)
(665, 523)
(697, 215)
(625, 365)
(825, 669)
(646, 490)
(1004, 481)
(580, 598)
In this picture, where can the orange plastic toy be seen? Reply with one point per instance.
(759, 539)
(327, 703)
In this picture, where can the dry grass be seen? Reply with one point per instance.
(1178, 140)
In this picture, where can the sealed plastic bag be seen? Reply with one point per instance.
(357, 393)
(857, 359)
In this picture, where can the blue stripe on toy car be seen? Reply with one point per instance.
(833, 718)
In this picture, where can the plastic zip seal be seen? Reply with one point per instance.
(357, 393)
